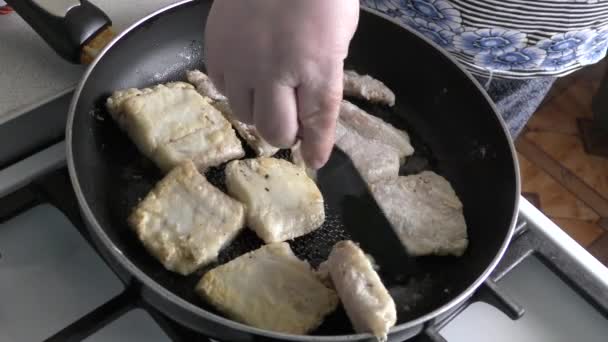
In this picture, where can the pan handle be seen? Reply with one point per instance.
(76, 30)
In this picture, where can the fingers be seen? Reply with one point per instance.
(318, 112)
(241, 100)
(218, 81)
(276, 114)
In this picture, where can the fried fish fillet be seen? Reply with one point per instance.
(374, 160)
(172, 123)
(269, 288)
(114, 103)
(376, 148)
(204, 86)
(185, 221)
(282, 201)
(425, 212)
(248, 132)
(367, 88)
(366, 300)
(375, 129)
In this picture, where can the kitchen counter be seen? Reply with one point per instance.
(31, 73)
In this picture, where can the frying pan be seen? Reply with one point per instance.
(454, 128)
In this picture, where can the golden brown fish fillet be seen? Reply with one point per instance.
(185, 221)
(375, 129)
(366, 300)
(172, 123)
(425, 212)
(269, 288)
(367, 88)
(282, 201)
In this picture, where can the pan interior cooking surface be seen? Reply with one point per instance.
(453, 129)
(134, 176)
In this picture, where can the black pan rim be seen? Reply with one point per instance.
(94, 226)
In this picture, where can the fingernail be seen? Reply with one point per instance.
(316, 163)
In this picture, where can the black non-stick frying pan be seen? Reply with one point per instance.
(454, 128)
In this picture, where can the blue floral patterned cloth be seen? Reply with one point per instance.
(509, 38)
(517, 100)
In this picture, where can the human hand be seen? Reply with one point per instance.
(280, 63)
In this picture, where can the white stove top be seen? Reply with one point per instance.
(31, 73)
(47, 271)
(554, 312)
(136, 325)
(50, 276)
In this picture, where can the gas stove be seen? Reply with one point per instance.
(54, 286)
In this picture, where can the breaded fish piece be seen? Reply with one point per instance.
(204, 86)
(375, 129)
(114, 102)
(367, 88)
(269, 288)
(205, 148)
(425, 212)
(282, 201)
(368, 304)
(251, 135)
(248, 132)
(374, 160)
(172, 123)
(185, 221)
(121, 106)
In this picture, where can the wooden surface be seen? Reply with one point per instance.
(600, 105)
(563, 167)
(96, 45)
